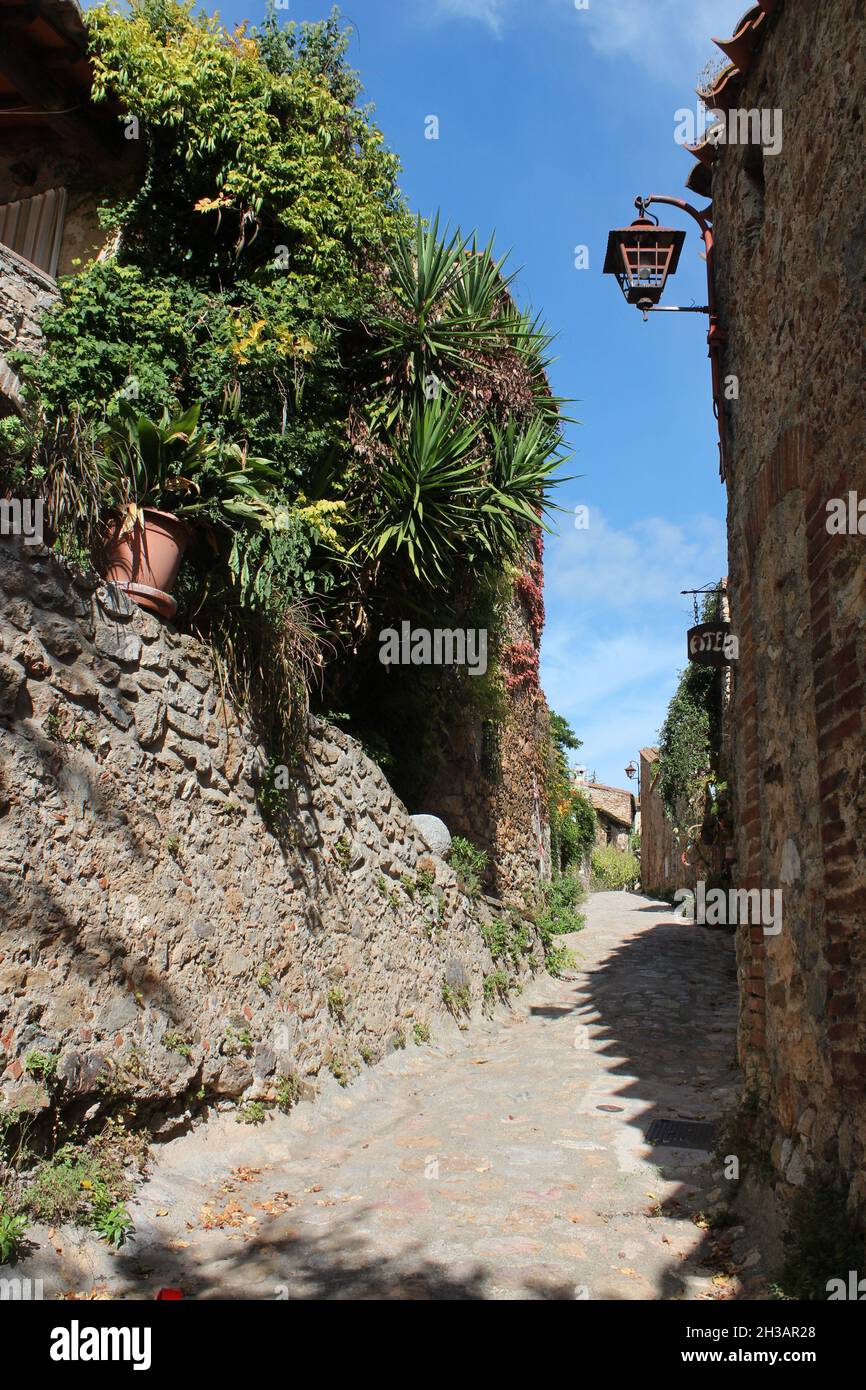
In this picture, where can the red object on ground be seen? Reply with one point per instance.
(170, 1293)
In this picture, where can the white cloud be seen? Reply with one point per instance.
(664, 37)
(615, 637)
(661, 36)
(630, 569)
(489, 12)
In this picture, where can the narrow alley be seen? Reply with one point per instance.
(506, 1162)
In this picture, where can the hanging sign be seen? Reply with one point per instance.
(712, 644)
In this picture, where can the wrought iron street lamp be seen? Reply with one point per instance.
(632, 771)
(643, 255)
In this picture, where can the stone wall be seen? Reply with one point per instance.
(25, 294)
(492, 785)
(665, 864)
(661, 871)
(155, 934)
(791, 242)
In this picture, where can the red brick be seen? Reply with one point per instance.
(838, 953)
(840, 1032)
(848, 1066)
(855, 901)
(838, 878)
(838, 926)
(833, 830)
(833, 736)
(844, 849)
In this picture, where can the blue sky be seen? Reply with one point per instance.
(551, 120)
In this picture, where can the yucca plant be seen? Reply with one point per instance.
(443, 315)
(517, 485)
(426, 491)
(532, 342)
(480, 285)
(443, 497)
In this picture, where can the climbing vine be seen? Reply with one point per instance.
(572, 816)
(690, 744)
(262, 266)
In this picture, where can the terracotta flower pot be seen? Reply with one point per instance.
(146, 560)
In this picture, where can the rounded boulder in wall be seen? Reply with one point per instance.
(435, 833)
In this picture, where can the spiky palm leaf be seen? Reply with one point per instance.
(480, 284)
(517, 488)
(440, 498)
(443, 316)
(427, 490)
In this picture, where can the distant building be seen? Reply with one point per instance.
(615, 813)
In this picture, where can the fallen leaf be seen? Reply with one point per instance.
(232, 1215)
(276, 1205)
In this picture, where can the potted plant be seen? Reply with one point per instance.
(162, 480)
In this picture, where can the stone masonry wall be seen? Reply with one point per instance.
(661, 870)
(154, 934)
(490, 778)
(25, 294)
(666, 865)
(791, 244)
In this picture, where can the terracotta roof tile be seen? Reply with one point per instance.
(741, 48)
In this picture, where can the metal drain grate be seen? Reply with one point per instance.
(681, 1134)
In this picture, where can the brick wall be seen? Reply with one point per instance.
(791, 242)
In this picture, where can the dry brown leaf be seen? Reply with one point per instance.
(276, 1205)
(246, 1174)
(232, 1215)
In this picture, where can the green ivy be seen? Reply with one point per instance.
(690, 739)
(264, 267)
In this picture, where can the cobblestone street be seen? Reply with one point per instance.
(506, 1161)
